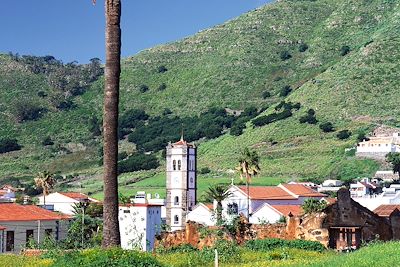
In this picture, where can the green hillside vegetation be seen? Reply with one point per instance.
(336, 57)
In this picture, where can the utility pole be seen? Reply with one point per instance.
(38, 232)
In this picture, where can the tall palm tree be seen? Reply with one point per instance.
(248, 167)
(111, 236)
(218, 193)
(46, 182)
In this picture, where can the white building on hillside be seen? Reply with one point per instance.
(20, 223)
(389, 195)
(64, 202)
(380, 144)
(139, 223)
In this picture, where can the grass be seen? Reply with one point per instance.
(231, 65)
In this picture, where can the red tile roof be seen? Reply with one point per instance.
(209, 205)
(74, 195)
(286, 209)
(266, 192)
(2, 228)
(16, 212)
(302, 190)
(386, 209)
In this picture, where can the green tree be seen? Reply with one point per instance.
(45, 181)
(394, 159)
(312, 205)
(111, 234)
(218, 193)
(248, 167)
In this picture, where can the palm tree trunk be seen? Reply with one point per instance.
(111, 236)
(248, 199)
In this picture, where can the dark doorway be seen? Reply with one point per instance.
(10, 241)
(29, 235)
(344, 238)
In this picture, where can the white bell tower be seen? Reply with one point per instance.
(181, 182)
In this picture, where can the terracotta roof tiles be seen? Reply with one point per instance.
(302, 190)
(267, 192)
(286, 209)
(16, 212)
(386, 209)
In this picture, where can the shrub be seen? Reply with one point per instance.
(41, 94)
(162, 87)
(166, 111)
(285, 91)
(143, 88)
(266, 94)
(205, 170)
(303, 47)
(130, 118)
(344, 134)
(237, 129)
(7, 145)
(115, 257)
(65, 105)
(27, 111)
(361, 136)
(312, 205)
(162, 69)
(285, 55)
(309, 118)
(47, 141)
(273, 243)
(344, 50)
(326, 127)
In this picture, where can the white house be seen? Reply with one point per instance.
(389, 195)
(20, 223)
(380, 144)
(7, 193)
(273, 213)
(139, 223)
(363, 188)
(203, 214)
(330, 185)
(64, 202)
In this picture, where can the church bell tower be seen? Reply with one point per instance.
(181, 158)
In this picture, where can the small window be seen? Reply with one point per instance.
(48, 232)
(176, 219)
(233, 209)
(176, 201)
(10, 241)
(127, 211)
(174, 165)
(179, 165)
(29, 235)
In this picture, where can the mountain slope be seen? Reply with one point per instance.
(230, 66)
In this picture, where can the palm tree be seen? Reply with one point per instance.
(45, 181)
(218, 193)
(248, 167)
(111, 235)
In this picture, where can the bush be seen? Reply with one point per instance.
(65, 105)
(130, 118)
(7, 145)
(166, 111)
(47, 141)
(312, 205)
(162, 87)
(285, 91)
(237, 129)
(143, 88)
(309, 118)
(266, 94)
(344, 50)
(205, 170)
(303, 47)
(41, 94)
(344, 134)
(138, 162)
(115, 257)
(274, 243)
(326, 127)
(27, 111)
(285, 55)
(162, 69)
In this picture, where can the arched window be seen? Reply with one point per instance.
(174, 165)
(179, 165)
(176, 200)
(176, 219)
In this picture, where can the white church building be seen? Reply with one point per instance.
(181, 182)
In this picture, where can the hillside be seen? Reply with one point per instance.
(339, 58)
